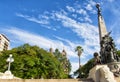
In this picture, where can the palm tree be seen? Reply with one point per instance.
(79, 50)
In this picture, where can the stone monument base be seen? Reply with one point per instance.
(101, 73)
(115, 68)
(7, 75)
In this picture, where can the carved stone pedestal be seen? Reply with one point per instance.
(101, 73)
(115, 68)
(7, 75)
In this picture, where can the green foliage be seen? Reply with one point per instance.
(79, 49)
(84, 70)
(118, 53)
(65, 63)
(32, 62)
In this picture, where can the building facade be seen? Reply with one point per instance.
(4, 42)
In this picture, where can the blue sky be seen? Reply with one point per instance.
(60, 24)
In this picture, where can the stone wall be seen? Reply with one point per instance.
(38, 80)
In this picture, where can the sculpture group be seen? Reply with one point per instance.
(108, 54)
(108, 50)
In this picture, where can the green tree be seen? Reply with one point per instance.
(79, 51)
(84, 70)
(65, 63)
(118, 52)
(32, 62)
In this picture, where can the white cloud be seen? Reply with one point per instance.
(71, 9)
(74, 15)
(43, 17)
(33, 19)
(87, 19)
(89, 7)
(92, 2)
(27, 37)
(75, 66)
(117, 42)
(80, 28)
(82, 11)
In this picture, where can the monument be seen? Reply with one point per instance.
(107, 47)
(110, 62)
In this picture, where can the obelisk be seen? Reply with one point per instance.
(101, 23)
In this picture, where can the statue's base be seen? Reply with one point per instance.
(101, 73)
(115, 68)
(7, 75)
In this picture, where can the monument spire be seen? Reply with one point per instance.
(101, 23)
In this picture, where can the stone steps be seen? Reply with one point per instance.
(85, 80)
(45, 80)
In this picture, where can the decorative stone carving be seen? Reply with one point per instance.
(106, 75)
(115, 68)
(101, 73)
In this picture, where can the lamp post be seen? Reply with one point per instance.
(10, 60)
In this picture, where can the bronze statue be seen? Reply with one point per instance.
(108, 50)
(97, 59)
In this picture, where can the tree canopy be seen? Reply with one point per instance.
(118, 52)
(32, 62)
(84, 70)
(79, 49)
(63, 60)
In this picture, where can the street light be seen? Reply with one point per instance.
(10, 60)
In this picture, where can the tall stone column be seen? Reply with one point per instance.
(101, 23)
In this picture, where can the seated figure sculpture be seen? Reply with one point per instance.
(97, 59)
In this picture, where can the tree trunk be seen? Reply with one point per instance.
(79, 66)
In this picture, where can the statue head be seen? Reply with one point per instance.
(95, 54)
(97, 5)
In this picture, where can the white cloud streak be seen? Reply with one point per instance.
(26, 37)
(71, 9)
(33, 19)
